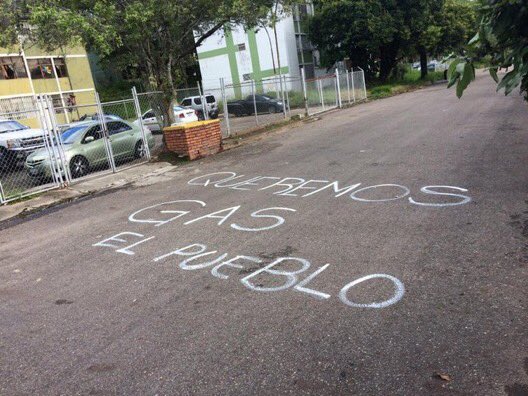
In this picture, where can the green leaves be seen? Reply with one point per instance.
(460, 72)
(493, 74)
(502, 37)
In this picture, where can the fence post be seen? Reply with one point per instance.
(283, 97)
(353, 88)
(49, 139)
(338, 90)
(204, 105)
(320, 86)
(364, 84)
(254, 100)
(2, 199)
(58, 140)
(126, 109)
(226, 109)
(305, 93)
(141, 125)
(348, 84)
(104, 130)
(287, 97)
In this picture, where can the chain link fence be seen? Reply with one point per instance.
(46, 145)
(50, 141)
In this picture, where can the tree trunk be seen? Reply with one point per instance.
(172, 94)
(387, 62)
(423, 62)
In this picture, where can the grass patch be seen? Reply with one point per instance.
(411, 80)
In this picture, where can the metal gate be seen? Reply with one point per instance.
(44, 146)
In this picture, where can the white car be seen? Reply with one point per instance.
(150, 121)
(17, 141)
(183, 115)
(195, 102)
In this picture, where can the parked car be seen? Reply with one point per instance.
(195, 102)
(17, 141)
(95, 117)
(264, 103)
(150, 121)
(183, 115)
(89, 117)
(85, 148)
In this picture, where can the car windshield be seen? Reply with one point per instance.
(178, 108)
(9, 126)
(73, 134)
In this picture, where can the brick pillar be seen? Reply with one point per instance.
(194, 139)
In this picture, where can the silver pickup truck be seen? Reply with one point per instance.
(17, 141)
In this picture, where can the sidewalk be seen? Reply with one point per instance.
(148, 173)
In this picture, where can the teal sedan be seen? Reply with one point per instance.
(85, 150)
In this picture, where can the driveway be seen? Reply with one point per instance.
(382, 249)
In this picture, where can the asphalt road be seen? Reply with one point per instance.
(423, 293)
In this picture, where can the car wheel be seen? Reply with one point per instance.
(272, 109)
(140, 150)
(79, 166)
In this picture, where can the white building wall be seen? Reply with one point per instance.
(214, 68)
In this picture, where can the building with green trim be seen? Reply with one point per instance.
(239, 56)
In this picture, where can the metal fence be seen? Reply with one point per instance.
(254, 104)
(51, 141)
(46, 146)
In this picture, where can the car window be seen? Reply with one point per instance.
(95, 132)
(8, 126)
(117, 127)
(197, 101)
(72, 134)
(149, 114)
(186, 102)
(210, 99)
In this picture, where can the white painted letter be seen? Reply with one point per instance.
(426, 190)
(337, 190)
(185, 266)
(231, 263)
(283, 183)
(405, 193)
(302, 187)
(398, 293)
(184, 251)
(194, 182)
(300, 286)
(215, 215)
(126, 249)
(256, 214)
(179, 213)
(291, 276)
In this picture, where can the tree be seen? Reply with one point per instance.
(159, 37)
(420, 15)
(12, 22)
(452, 27)
(369, 32)
(502, 36)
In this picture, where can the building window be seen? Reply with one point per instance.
(12, 67)
(242, 47)
(40, 68)
(60, 67)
